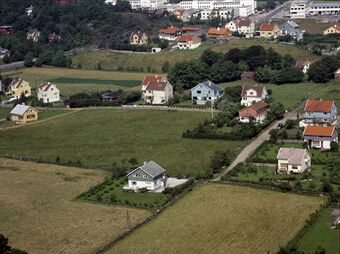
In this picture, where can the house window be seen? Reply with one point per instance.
(198, 92)
(294, 167)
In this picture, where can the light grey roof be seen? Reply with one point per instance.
(151, 168)
(294, 156)
(211, 85)
(19, 109)
(292, 23)
(326, 4)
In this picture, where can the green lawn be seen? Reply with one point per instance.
(44, 114)
(4, 112)
(112, 61)
(290, 95)
(267, 175)
(331, 91)
(321, 235)
(268, 152)
(125, 83)
(111, 191)
(98, 138)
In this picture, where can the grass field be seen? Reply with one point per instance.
(330, 92)
(38, 215)
(112, 61)
(290, 95)
(223, 219)
(71, 81)
(321, 235)
(98, 138)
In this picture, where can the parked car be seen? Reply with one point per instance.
(280, 126)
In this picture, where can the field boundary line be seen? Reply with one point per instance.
(39, 122)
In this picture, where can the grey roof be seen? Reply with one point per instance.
(151, 168)
(292, 23)
(294, 156)
(211, 85)
(19, 109)
(326, 4)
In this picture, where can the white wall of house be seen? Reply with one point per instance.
(185, 45)
(167, 37)
(324, 144)
(247, 101)
(289, 168)
(49, 96)
(158, 97)
(231, 25)
(135, 184)
(247, 29)
(258, 119)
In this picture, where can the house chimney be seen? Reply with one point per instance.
(23, 103)
(144, 163)
(218, 28)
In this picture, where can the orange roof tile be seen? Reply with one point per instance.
(220, 31)
(319, 106)
(253, 110)
(169, 30)
(186, 38)
(321, 131)
(267, 26)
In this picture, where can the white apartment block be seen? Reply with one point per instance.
(325, 8)
(137, 4)
(299, 9)
(222, 13)
(248, 6)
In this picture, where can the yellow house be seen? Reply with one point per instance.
(138, 38)
(18, 87)
(23, 114)
(269, 30)
(332, 30)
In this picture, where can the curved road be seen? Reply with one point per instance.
(255, 143)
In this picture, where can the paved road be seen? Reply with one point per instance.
(11, 66)
(255, 143)
(270, 15)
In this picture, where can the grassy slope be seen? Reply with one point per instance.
(312, 25)
(321, 235)
(38, 215)
(100, 137)
(215, 218)
(111, 61)
(38, 75)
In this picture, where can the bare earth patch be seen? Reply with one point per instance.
(39, 215)
(217, 218)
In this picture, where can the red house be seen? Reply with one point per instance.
(54, 38)
(6, 30)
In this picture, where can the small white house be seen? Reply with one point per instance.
(48, 93)
(303, 65)
(150, 176)
(189, 41)
(293, 160)
(253, 94)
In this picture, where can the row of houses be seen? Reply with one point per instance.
(46, 92)
(301, 9)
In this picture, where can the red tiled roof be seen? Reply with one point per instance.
(253, 110)
(301, 63)
(267, 26)
(169, 30)
(321, 131)
(258, 89)
(190, 28)
(152, 79)
(156, 86)
(186, 38)
(16, 82)
(319, 106)
(220, 31)
(244, 22)
(45, 86)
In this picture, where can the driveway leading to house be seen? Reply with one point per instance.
(255, 143)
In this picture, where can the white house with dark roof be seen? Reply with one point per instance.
(293, 160)
(206, 91)
(252, 94)
(156, 90)
(150, 176)
(48, 93)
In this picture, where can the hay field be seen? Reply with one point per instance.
(38, 214)
(38, 75)
(218, 218)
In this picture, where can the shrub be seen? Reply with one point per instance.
(220, 159)
(334, 146)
